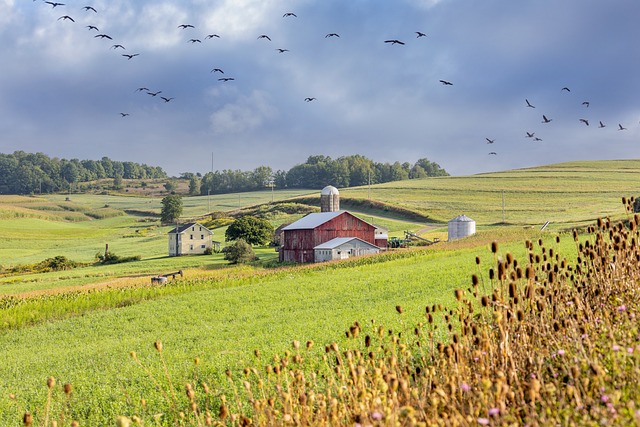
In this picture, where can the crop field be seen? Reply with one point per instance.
(80, 325)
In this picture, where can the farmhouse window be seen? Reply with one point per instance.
(190, 247)
(193, 229)
(200, 229)
(191, 236)
(202, 237)
(203, 246)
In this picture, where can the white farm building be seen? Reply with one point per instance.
(189, 239)
(343, 248)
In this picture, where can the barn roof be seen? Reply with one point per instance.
(313, 220)
(339, 241)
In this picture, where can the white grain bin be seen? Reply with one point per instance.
(461, 226)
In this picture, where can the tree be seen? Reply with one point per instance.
(239, 252)
(117, 182)
(194, 185)
(171, 208)
(254, 231)
(169, 186)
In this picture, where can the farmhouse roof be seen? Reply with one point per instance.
(339, 241)
(184, 227)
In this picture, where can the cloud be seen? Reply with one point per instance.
(247, 113)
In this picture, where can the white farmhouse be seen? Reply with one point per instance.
(189, 239)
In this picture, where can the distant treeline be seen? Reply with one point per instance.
(317, 172)
(25, 173)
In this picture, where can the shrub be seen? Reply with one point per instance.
(112, 258)
(240, 252)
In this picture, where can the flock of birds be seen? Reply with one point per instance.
(193, 40)
(190, 29)
(546, 120)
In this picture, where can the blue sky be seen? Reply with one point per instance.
(62, 89)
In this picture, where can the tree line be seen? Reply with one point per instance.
(317, 172)
(25, 173)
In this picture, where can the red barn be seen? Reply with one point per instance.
(299, 238)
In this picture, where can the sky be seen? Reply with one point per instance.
(66, 89)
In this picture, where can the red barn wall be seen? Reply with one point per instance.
(298, 244)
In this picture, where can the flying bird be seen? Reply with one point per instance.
(92, 27)
(140, 89)
(566, 88)
(282, 50)
(494, 153)
(586, 104)
(183, 26)
(154, 93)
(226, 79)
(537, 139)
(210, 36)
(116, 46)
(490, 141)
(124, 114)
(289, 14)
(332, 35)
(601, 125)
(446, 83)
(54, 4)
(65, 17)
(394, 41)
(130, 55)
(530, 134)
(529, 104)
(545, 120)
(419, 34)
(103, 36)
(194, 41)
(620, 127)
(309, 99)
(216, 70)
(264, 36)
(585, 121)
(166, 99)
(88, 8)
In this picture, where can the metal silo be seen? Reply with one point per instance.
(461, 226)
(329, 199)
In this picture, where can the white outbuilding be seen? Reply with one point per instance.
(343, 248)
(461, 226)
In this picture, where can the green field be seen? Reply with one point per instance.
(221, 314)
(565, 194)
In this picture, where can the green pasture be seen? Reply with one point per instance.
(85, 338)
(565, 194)
(222, 323)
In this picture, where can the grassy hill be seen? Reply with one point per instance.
(83, 332)
(566, 194)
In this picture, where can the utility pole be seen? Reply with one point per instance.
(503, 206)
(369, 189)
